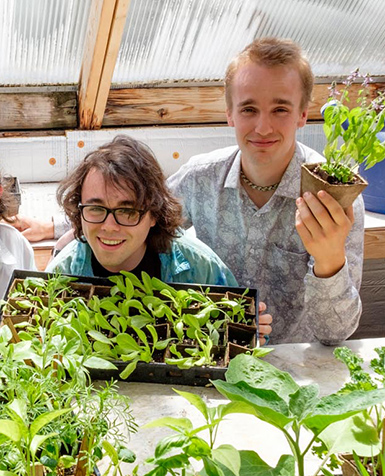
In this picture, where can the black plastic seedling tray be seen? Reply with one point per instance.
(154, 372)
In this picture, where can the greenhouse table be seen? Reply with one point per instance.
(307, 363)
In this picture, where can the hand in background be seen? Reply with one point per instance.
(265, 321)
(32, 228)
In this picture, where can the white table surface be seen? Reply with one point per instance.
(307, 363)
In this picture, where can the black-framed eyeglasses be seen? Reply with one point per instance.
(123, 216)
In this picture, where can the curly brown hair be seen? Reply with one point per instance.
(271, 52)
(128, 164)
(7, 200)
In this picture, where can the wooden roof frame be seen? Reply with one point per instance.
(96, 105)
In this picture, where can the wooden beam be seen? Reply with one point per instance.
(24, 111)
(165, 106)
(189, 105)
(32, 111)
(104, 34)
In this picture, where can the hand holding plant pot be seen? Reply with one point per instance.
(351, 141)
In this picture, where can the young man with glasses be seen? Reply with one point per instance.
(125, 218)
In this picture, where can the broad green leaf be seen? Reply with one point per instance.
(7, 473)
(20, 408)
(11, 429)
(108, 305)
(5, 334)
(232, 407)
(110, 450)
(260, 374)
(172, 462)
(260, 352)
(228, 456)
(211, 468)
(195, 400)
(340, 406)
(356, 433)
(141, 321)
(264, 404)
(253, 465)
(94, 362)
(126, 455)
(177, 424)
(303, 401)
(169, 443)
(38, 440)
(198, 448)
(45, 418)
(128, 370)
(100, 337)
(127, 343)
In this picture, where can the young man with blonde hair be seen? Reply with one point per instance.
(304, 254)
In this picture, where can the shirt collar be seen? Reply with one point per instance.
(232, 179)
(291, 180)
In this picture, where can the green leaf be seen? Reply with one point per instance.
(264, 404)
(100, 337)
(253, 465)
(340, 406)
(169, 443)
(94, 362)
(7, 473)
(38, 440)
(19, 409)
(134, 279)
(126, 455)
(11, 429)
(176, 424)
(198, 448)
(195, 400)
(260, 374)
(147, 283)
(212, 468)
(303, 401)
(111, 452)
(228, 456)
(356, 433)
(128, 370)
(127, 343)
(45, 418)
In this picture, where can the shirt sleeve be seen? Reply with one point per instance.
(181, 186)
(333, 305)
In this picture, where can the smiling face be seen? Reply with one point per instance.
(116, 247)
(266, 112)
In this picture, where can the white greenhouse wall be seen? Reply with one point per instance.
(48, 159)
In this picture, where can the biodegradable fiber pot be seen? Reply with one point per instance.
(345, 194)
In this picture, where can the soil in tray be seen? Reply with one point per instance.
(79, 290)
(242, 335)
(101, 291)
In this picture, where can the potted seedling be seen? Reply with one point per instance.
(351, 141)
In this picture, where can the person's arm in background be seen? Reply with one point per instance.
(36, 230)
(334, 239)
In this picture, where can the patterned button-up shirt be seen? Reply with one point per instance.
(264, 251)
